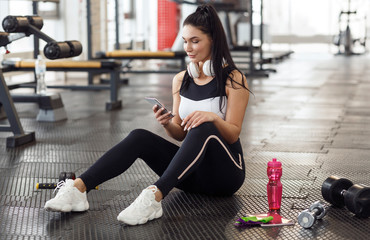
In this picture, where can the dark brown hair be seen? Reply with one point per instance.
(206, 19)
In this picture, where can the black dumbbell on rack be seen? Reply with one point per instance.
(62, 177)
(308, 217)
(342, 192)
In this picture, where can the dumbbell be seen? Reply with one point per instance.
(62, 177)
(308, 217)
(342, 192)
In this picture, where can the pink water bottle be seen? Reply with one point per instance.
(274, 186)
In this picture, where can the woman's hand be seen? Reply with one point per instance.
(196, 118)
(162, 118)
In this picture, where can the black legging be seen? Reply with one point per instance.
(204, 163)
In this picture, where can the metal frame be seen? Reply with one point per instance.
(89, 30)
(117, 46)
(253, 70)
(20, 137)
(126, 67)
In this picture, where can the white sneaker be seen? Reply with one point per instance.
(68, 199)
(144, 208)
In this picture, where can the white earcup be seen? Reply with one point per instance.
(193, 70)
(208, 69)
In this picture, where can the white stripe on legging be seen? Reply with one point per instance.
(201, 151)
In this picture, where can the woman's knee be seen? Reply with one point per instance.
(139, 134)
(137, 137)
(207, 127)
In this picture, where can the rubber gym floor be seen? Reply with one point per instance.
(313, 115)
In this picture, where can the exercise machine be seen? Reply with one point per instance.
(17, 27)
(56, 50)
(345, 40)
(24, 26)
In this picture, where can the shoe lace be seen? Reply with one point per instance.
(60, 184)
(143, 200)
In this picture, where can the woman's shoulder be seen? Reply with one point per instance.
(237, 76)
(180, 75)
(178, 78)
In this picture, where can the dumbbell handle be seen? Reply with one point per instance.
(46, 185)
(316, 212)
(51, 186)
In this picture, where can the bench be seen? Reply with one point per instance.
(91, 67)
(130, 55)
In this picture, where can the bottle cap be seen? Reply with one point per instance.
(274, 163)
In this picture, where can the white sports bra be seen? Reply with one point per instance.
(201, 98)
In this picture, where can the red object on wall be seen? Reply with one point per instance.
(168, 23)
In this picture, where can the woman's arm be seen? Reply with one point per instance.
(173, 127)
(237, 101)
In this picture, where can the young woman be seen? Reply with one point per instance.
(209, 103)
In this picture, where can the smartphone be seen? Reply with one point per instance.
(155, 101)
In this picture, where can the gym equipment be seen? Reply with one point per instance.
(20, 136)
(131, 55)
(53, 50)
(17, 27)
(344, 40)
(51, 107)
(62, 177)
(2, 113)
(28, 25)
(113, 68)
(342, 192)
(308, 217)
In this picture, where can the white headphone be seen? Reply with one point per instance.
(193, 69)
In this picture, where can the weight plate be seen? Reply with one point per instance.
(70, 175)
(357, 200)
(332, 189)
(62, 176)
(305, 219)
(319, 208)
